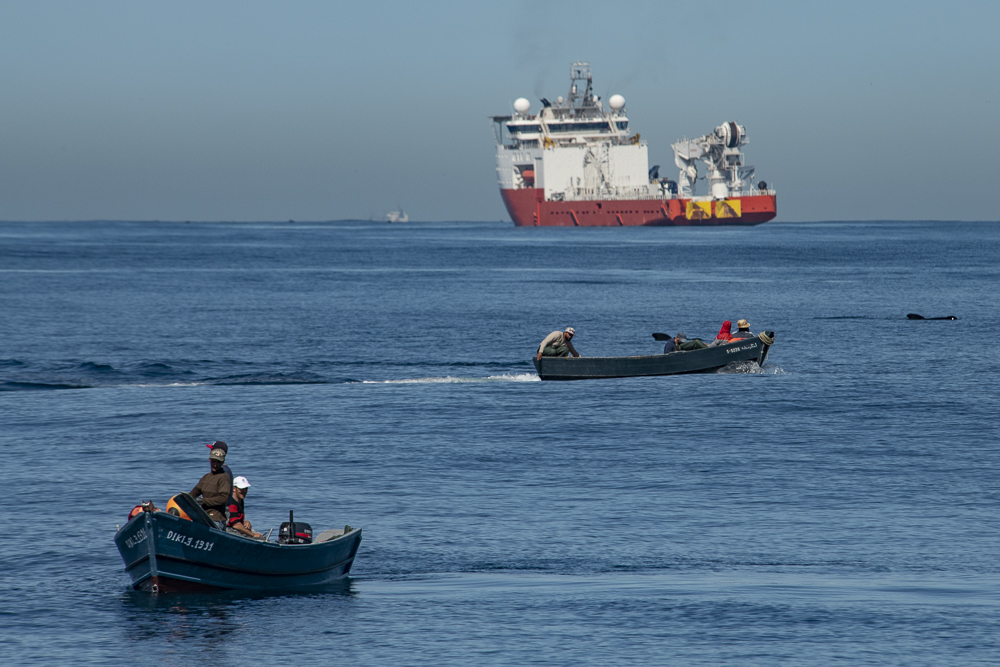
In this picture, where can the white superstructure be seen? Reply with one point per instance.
(576, 150)
(573, 148)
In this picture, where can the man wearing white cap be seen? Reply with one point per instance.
(237, 518)
(558, 344)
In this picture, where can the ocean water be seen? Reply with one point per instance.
(837, 506)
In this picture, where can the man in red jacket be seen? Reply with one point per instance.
(237, 516)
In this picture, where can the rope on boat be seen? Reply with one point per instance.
(764, 338)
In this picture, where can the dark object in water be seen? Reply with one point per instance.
(662, 337)
(914, 316)
(674, 363)
(166, 553)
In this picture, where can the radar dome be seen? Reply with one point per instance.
(521, 105)
(617, 102)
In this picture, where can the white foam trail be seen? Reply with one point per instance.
(448, 379)
(751, 368)
(169, 384)
(515, 377)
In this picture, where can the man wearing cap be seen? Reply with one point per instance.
(680, 343)
(237, 517)
(558, 344)
(743, 330)
(214, 487)
(219, 444)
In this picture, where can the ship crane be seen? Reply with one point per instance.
(720, 151)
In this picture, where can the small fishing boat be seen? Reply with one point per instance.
(674, 363)
(183, 550)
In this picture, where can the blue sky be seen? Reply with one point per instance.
(230, 110)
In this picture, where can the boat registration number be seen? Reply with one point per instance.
(189, 541)
(138, 538)
(740, 349)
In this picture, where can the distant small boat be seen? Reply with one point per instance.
(674, 363)
(397, 216)
(168, 553)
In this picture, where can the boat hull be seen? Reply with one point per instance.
(674, 363)
(527, 208)
(164, 553)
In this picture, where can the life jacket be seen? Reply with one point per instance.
(136, 511)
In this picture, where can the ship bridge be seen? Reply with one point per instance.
(573, 148)
(579, 118)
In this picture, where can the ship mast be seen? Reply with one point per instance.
(580, 72)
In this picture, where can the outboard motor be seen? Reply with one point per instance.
(291, 532)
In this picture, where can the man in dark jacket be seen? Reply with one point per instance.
(219, 444)
(214, 487)
(742, 330)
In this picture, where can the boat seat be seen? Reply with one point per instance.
(193, 510)
(330, 534)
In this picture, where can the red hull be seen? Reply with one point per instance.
(527, 208)
(170, 585)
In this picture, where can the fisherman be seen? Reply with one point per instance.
(742, 330)
(680, 343)
(237, 517)
(724, 336)
(214, 487)
(219, 444)
(558, 344)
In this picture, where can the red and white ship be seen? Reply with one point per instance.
(577, 164)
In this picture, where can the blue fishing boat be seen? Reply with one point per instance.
(183, 550)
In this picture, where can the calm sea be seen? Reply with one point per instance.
(838, 506)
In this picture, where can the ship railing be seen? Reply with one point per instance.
(593, 194)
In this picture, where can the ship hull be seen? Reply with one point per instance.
(527, 208)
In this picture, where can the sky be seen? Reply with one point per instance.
(247, 110)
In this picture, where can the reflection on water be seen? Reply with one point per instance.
(210, 618)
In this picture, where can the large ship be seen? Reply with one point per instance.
(576, 164)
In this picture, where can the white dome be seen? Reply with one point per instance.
(617, 102)
(521, 105)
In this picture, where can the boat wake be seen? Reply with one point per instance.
(751, 368)
(448, 379)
